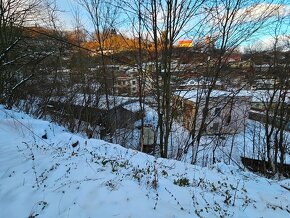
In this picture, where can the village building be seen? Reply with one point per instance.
(185, 43)
(261, 99)
(227, 112)
(128, 84)
(200, 83)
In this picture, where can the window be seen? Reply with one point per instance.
(217, 111)
(133, 82)
(229, 118)
(215, 126)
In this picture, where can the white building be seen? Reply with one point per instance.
(226, 112)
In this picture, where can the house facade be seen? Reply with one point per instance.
(128, 84)
(226, 112)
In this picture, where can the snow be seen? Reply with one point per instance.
(230, 148)
(200, 82)
(81, 99)
(179, 136)
(193, 95)
(50, 178)
(256, 96)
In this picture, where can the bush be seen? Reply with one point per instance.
(181, 182)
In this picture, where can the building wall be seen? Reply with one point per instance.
(185, 43)
(225, 116)
(129, 85)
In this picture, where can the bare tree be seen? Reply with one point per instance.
(275, 101)
(165, 21)
(230, 24)
(14, 15)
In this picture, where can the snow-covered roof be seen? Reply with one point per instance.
(192, 95)
(265, 96)
(256, 96)
(202, 82)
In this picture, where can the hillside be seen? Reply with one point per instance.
(45, 171)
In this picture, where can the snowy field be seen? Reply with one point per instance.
(45, 171)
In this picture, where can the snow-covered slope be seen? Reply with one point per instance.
(67, 175)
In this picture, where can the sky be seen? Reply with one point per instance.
(67, 8)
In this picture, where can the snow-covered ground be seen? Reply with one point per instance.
(46, 171)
